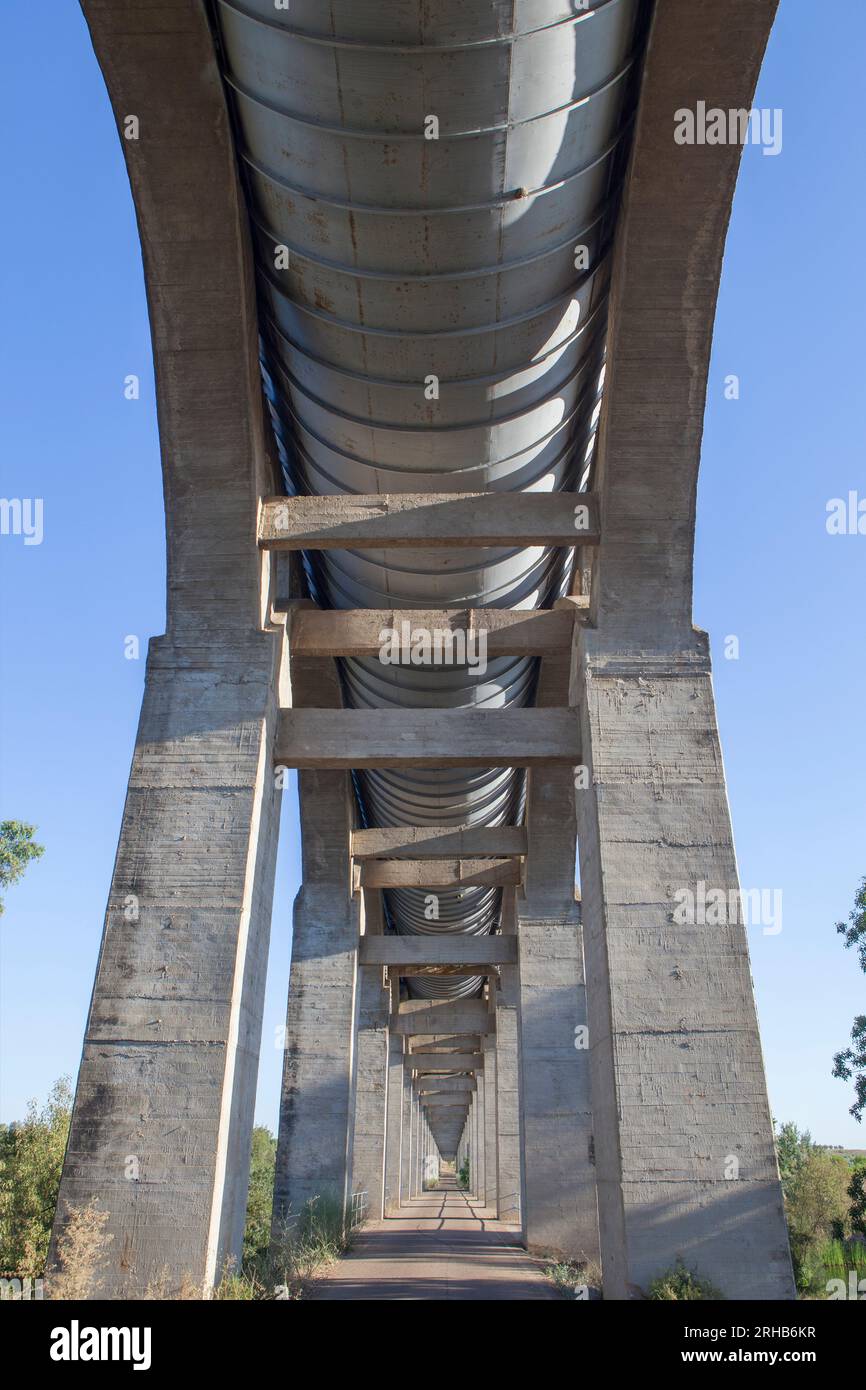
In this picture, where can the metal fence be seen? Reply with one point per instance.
(358, 1208)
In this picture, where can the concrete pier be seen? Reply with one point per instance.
(686, 1164)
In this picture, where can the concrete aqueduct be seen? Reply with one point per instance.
(461, 249)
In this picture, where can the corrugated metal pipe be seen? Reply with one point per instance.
(433, 187)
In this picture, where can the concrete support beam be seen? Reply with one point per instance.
(466, 1016)
(406, 519)
(168, 1072)
(442, 1086)
(681, 1118)
(170, 1055)
(359, 738)
(509, 1178)
(560, 1215)
(443, 1046)
(667, 265)
(370, 1122)
(407, 1149)
(358, 632)
(440, 842)
(450, 1062)
(560, 1212)
(451, 949)
(439, 873)
(314, 1151)
(395, 1108)
(491, 1163)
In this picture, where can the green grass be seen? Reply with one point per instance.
(829, 1259)
(302, 1248)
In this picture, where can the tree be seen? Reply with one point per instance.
(850, 1064)
(818, 1202)
(793, 1146)
(260, 1202)
(17, 848)
(31, 1156)
(857, 1193)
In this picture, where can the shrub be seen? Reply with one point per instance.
(31, 1157)
(80, 1245)
(681, 1284)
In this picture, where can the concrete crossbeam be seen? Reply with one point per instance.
(451, 1062)
(394, 520)
(443, 1046)
(444, 1085)
(445, 949)
(439, 842)
(358, 632)
(440, 873)
(361, 738)
(467, 1016)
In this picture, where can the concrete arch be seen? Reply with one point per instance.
(667, 268)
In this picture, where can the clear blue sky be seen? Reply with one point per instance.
(791, 708)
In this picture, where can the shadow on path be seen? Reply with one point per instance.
(442, 1245)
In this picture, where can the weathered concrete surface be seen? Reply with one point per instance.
(394, 1114)
(438, 841)
(677, 1076)
(560, 1211)
(480, 1149)
(509, 1177)
(508, 632)
(371, 1090)
(402, 519)
(667, 265)
(490, 1142)
(314, 1152)
(431, 1065)
(463, 1016)
(683, 1136)
(560, 1215)
(398, 738)
(163, 1111)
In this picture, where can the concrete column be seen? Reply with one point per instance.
(314, 1152)
(394, 1124)
(560, 1214)
(509, 1176)
(683, 1134)
(407, 1148)
(164, 1106)
(419, 1152)
(480, 1144)
(370, 1121)
(371, 1072)
(422, 1147)
(161, 1125)
(490, 1145)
